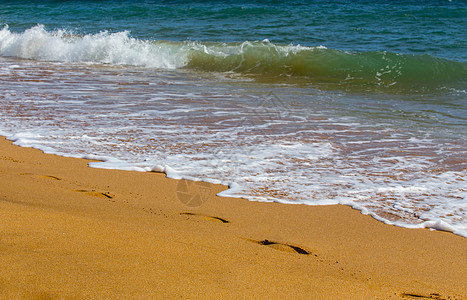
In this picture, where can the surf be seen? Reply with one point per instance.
(261, 60)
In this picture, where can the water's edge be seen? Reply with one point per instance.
(102, 162)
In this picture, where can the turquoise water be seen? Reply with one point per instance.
(406, 43)
(316, 102)
(435, 28)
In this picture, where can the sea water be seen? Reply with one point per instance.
(362, 103)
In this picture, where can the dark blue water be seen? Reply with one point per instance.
(436, 28)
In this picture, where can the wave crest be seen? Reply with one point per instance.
(259, 59)
(320, 64)
(107, 48)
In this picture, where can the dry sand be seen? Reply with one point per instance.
(70, 231)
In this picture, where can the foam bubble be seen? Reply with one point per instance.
(295, 145)
(439, 225)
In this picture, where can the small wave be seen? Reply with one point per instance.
(261, 59)
(105, 48)
(320, 64)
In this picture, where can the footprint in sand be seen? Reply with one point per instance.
(205, 217)
(96, 193)
(42, 176)
(281, 246)
(420, 296)
(50, 177)
(275, 245)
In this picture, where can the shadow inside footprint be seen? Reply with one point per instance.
(281, 246)
(209, 218)
(50, 177)
(420, 296)
(42, 176)
(96, 194)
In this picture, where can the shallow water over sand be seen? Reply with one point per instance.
(398, 157)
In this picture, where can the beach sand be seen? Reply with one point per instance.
(71, 231)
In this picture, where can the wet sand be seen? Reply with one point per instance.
(71, 231)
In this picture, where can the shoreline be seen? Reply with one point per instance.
(69, 230)
(101, 162)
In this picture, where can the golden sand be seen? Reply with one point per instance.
(70, 231)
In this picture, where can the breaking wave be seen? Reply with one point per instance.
(251, 58)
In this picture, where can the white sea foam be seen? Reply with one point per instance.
(107, 48)
(117, 48)
(293, 146)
